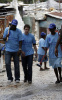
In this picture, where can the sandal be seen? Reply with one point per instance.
(61, 79)
(57, 82)
(41, 69)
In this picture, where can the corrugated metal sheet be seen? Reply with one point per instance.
(55, 14)
(4, 22)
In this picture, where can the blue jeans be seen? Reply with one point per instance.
(8, 56)
(27, 62)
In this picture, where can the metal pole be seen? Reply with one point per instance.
(5, 22)
(35, 7)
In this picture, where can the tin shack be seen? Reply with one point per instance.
(52, 17)
(6, 16)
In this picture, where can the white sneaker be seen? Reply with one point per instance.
(9, 81)
(17, 81)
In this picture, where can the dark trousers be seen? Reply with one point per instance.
(27, 62)
(8, 56)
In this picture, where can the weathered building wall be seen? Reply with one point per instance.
(43, 25)
(49, 20)
(31, 22)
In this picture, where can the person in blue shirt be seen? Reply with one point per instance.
(27, 55)
(50, 43)
(41, 51)
(13, 40)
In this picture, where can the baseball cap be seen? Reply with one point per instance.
(52, 25)
(14, 22)
(43, 34)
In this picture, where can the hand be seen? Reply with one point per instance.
(23, 54)
(56, 52)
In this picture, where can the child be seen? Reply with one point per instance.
(50, 43)
(41, 51)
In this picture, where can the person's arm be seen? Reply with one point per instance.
(35, 48)
(6, 34)
(34, 45)
(6, 37)
(45, 49)
(20, 49)
(57, 44)
(20, 44)
(46, 45)
(43, 46)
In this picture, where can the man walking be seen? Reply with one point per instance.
(13, 39)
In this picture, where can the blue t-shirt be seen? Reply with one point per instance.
(41, 51)
(12, 45)
(28, 41)
(50, 43)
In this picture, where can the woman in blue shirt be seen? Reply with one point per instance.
(27, 53)
(50, 43)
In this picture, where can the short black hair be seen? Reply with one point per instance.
(43, 36)
(27, 26)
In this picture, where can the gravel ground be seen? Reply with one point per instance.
(42, 88)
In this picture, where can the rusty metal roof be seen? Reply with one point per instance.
(59, 1)
(55, 14)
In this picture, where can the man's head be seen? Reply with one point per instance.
(52, 27)
(43, 35)
(14, 24)
(26, 28)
